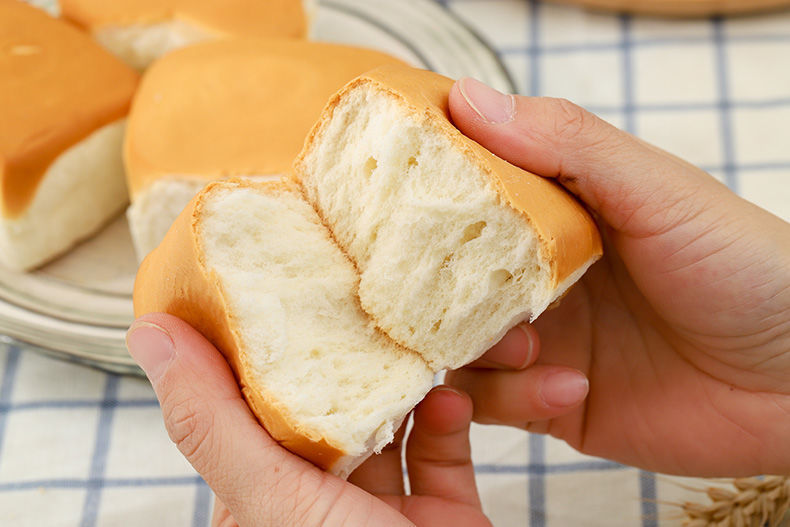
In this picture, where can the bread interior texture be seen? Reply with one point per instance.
(155, 208)
(307, 345)
(446, 267)
(90, 174)
(139, 45)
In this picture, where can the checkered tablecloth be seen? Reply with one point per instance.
(80, 447)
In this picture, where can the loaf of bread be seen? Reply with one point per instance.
(63, 104)
(250, 265)
(234, 107)
(462, 244)
(454, 245)
(140, 31)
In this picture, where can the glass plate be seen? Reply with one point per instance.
(79, 306)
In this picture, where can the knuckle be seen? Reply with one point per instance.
(571, 121)
(189, 429)
(299, 499)
(583, 129)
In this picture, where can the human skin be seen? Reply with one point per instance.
(683, 330)
(259, 483)
(683, 327)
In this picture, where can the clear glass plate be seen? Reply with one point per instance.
(79, 306)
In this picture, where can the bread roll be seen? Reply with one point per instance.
(236, 107)
(64, 101)
(140, 31)
(462, 244)
(252, 268)
(454, 245)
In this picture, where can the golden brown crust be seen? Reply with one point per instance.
(568, 235)
(234, 107)
(57, 86)
(173, 279)
(274, 18)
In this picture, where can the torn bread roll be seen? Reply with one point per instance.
(64, 100)
(427, 216)
(454, 245)
(250, 266)
(236, 107)
(140, 31)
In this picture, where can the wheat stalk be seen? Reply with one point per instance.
(754, 502)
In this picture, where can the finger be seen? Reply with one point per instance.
(613, 172)
(518, 349)
(204, 412)
(438, 454)
(221, 517)
(212, 426)
(383, 473)
(516, 398)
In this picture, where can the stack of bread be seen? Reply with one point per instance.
(65, 100)
(336, 280)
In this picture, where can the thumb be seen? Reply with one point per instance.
(632, 185)
(206, 417)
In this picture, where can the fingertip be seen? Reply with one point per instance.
(456, 101)
(170, 350)
(164, 320)
(444, 410)
(514, 397)
(517, 350)
(446, 395)
(178, 329)
(438, 453)
(565, 388)
(463, 114)
(151, 345)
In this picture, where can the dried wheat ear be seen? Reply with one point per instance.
(753, 502)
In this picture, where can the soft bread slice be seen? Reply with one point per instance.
(236, 107)
(63, 101)
(453, 244)
(250, 266)
(140, 31)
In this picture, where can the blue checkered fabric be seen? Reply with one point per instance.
(81, 447)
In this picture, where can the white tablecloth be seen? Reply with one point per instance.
(80, 447)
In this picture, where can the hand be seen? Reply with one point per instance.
(263, 484)
(683, 328)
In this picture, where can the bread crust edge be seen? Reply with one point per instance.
(174, 279)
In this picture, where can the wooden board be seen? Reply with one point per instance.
(683, 8)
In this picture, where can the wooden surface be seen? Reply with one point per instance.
(683, 8)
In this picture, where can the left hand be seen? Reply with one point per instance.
(257, 482)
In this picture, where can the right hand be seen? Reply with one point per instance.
(683, 329)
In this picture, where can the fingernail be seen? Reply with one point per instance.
(151, 346)
(512, 352)
(564, 388)
(491, 105)
(446, 388)
(530, 348)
